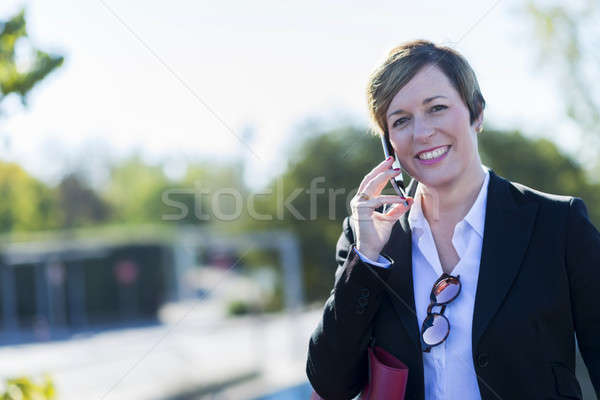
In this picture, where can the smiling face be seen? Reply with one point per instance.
(428, 125)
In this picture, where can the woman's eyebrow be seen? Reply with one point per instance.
(427, 100)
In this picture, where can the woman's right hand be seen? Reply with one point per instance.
(372, 228)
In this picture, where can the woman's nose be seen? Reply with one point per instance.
(423, 130)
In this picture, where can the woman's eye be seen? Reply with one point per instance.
(438, 107)
(399, 122)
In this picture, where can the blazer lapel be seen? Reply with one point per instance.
(508, 227)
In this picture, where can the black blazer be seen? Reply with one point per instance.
(539, 283)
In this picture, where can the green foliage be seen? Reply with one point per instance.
(135, 194)
(16, 78)
(27, 204)
(237, 308)
(23, 388)
(339, 159)
(134, 191)
(138, 192)
(213, 185)
(538, 163)
(79, 204)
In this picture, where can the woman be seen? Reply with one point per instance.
(515, 270)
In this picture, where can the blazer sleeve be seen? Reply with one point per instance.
(583, 266)
(337, 364)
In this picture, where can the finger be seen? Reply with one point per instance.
(378, 201)
(377, 183)
(382, 166)
(371, 204)
(396, 211)
(399, 209)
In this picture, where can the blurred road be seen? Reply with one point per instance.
(161, 362)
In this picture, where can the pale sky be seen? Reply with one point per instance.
(174, 79)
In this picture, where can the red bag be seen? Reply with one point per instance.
(387, 377)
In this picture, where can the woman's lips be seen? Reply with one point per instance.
(436, 159)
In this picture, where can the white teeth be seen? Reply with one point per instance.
(434, 154)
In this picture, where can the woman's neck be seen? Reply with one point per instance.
(450, 203)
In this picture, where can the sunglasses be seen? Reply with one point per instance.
(436, 327)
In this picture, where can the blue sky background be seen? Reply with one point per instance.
(139, 76)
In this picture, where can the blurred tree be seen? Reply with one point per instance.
(538, 163)
(25, 388)
(338, 160)
(568, 40)
(134, 191)
(334, 161)
(80, 204)
(27, 204)
(18, 77)
(138, 192)
(219, 194)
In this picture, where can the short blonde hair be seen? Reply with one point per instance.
(402, 64)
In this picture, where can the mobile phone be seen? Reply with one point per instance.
(397, 182)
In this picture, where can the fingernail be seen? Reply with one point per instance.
(389, 158)
(396, 169)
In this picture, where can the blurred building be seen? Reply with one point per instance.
(60, 285)
(57, 286)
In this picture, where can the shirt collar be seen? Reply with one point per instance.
(416, 218)
(475, 217)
